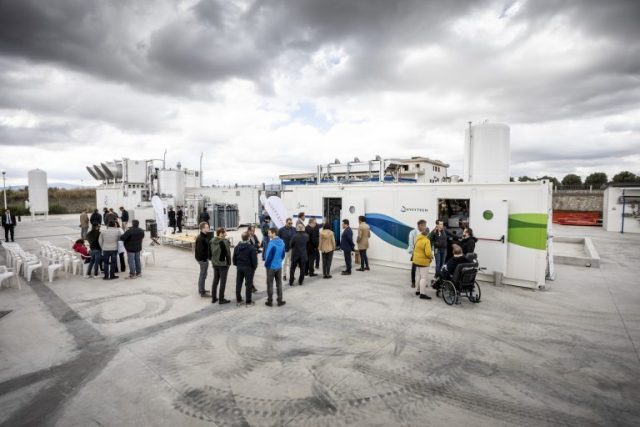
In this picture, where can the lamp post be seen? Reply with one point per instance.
(4, 189)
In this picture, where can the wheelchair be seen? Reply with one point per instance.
(462, 284)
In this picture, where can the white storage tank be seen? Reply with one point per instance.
(192, 179)
(487, 154)
(38, 192)
(171, 182)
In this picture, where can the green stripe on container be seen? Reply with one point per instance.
(528, 230)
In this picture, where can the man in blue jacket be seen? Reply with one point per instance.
(286, 233)
(245, 258)
(273, 262)
(347, 245)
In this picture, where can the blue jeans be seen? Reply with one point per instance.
(134, 263)
(110, 263)
(96, 259)
(441, 254)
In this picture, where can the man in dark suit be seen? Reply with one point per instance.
(9, 223)
(172, 220)
(347, 245)
(179, 216)
(299, 258)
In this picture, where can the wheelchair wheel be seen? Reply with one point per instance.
(474, 293)
(449, 293)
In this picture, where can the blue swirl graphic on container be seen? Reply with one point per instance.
(389, 229)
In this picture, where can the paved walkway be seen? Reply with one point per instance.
(359, 350)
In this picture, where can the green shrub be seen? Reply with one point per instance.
(19, 210)
(57, 209)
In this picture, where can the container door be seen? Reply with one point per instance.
(489, 221)
(352, 208)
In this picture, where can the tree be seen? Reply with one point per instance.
(525, 179)
(552, 179)
(626, 176)
(572, 179)
(596, 179)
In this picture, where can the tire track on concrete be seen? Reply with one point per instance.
(95, 353)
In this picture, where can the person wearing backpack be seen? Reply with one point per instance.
(220, 260)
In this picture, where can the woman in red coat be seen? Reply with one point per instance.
(79, 247)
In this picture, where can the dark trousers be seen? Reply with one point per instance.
(8, 229)
(94, 263)
(327, 257)
(317, 258)
(244, 274)
(204, 268)
(441, 254)
(110, 263)
(347, 260)
(277, 276)
(364, 259)
(219, 276)
(300, 263)
(313, 260)
(413, 273)
(123, 266)
(180, 225)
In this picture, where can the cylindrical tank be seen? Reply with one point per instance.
(487, 153)
(171, 183)
(38, 191)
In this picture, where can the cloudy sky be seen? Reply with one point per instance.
(265, 87)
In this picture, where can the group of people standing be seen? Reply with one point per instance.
(284, 251)
(106, 245)
(440, 244)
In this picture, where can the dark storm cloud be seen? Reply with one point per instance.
(217, 40)
(40, 135)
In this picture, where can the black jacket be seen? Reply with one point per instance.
(245, 255)
(4, 219)
(95, 218)
(92, 238)
(451, 265)
(132, 239)
(124, 216)
(179, 215)
(468, 245)
(314, 237)
(439, 238)
(299, 243)
(204, 217)
(172, 218)
(286, 233)
(203, 252)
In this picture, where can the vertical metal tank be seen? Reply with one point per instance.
(487, 153)
(38, 192)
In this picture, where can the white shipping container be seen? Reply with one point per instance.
(510, 220)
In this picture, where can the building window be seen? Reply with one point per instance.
(417, 166)
(405, 167)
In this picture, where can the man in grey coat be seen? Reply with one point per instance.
(109, 243)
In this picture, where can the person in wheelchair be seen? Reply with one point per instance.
(446, 273)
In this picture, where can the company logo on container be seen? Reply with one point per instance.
(406, 209)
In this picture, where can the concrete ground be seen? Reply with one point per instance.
(358, 351)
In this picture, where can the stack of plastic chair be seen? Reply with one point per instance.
(8, 273)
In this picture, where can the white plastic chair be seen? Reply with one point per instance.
(148, 253)
(6, 273)
(31, 267)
